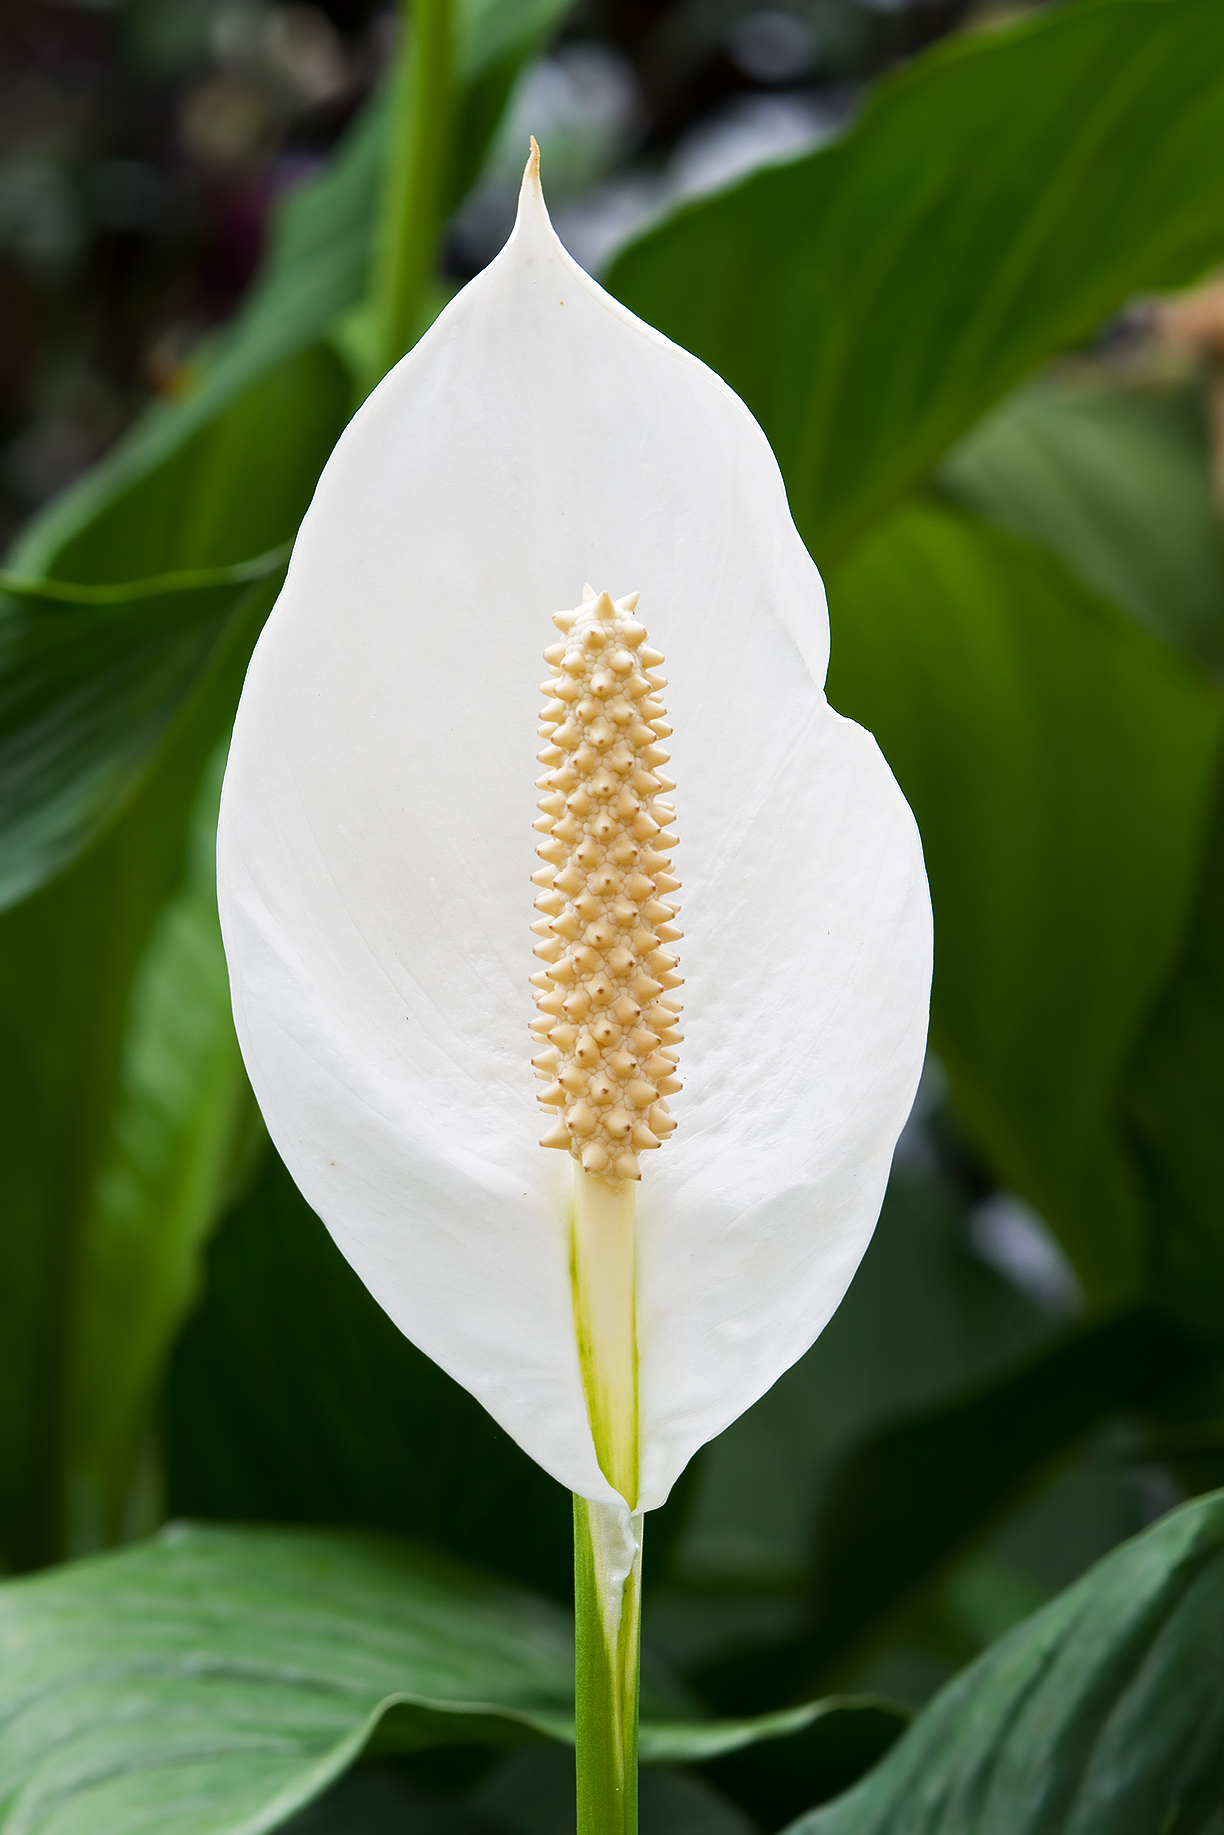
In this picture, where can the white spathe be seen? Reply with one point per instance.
(376, 846)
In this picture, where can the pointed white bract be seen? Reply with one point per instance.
(376, 851)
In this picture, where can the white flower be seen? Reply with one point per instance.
(376, 850)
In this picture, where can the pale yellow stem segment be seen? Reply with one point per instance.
(605, 1314)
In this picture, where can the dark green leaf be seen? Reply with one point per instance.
(212, 1681)
(180, 1129)
(1174, 1104)
(1117, 482)
(1060, 764)
(910, 1499)
(216, 477)
(778, 1779)
(68, 959)
(1101, 1715)
(90, 681)
(913, 1497)
(870, 301)
(529, 1791)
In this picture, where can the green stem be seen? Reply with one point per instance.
(608, 1617)
(607, 1541)
(416, 186)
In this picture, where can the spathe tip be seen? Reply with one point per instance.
(531, 206)
(531, 171)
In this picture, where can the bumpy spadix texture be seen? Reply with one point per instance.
(376, 847)
(606, 1014)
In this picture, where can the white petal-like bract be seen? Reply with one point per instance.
(376, 848)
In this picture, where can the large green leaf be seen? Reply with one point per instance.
(1116, 480)
(995, 201)
(211, 479)
(1060, 763)
(1102, 1715)
(123, 695)
(180, 1130)
(211, 1681)
(91, 679)
(68, 959)
(1174, 1102)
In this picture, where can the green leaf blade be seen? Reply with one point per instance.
(1060, 763)
(870, 301)
(90, 685)
(1101, 1715)
(213, 1680)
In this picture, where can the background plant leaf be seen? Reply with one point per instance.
(1173, 1103)
(1102, 1715)
(180, 1136)
(90, 682)
(212, 1681)
(69, 958)
(1114, 479)
(872, 300)
(1060, 764)
(910, 1499)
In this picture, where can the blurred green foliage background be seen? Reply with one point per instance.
(935, 249)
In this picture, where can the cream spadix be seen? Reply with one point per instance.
(376, 846)
(605, 1010)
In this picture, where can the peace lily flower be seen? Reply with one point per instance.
(617, 1303)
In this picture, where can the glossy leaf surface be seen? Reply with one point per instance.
(1101, 1715)
(70, 958)
(90, 681)
(212, 1681)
